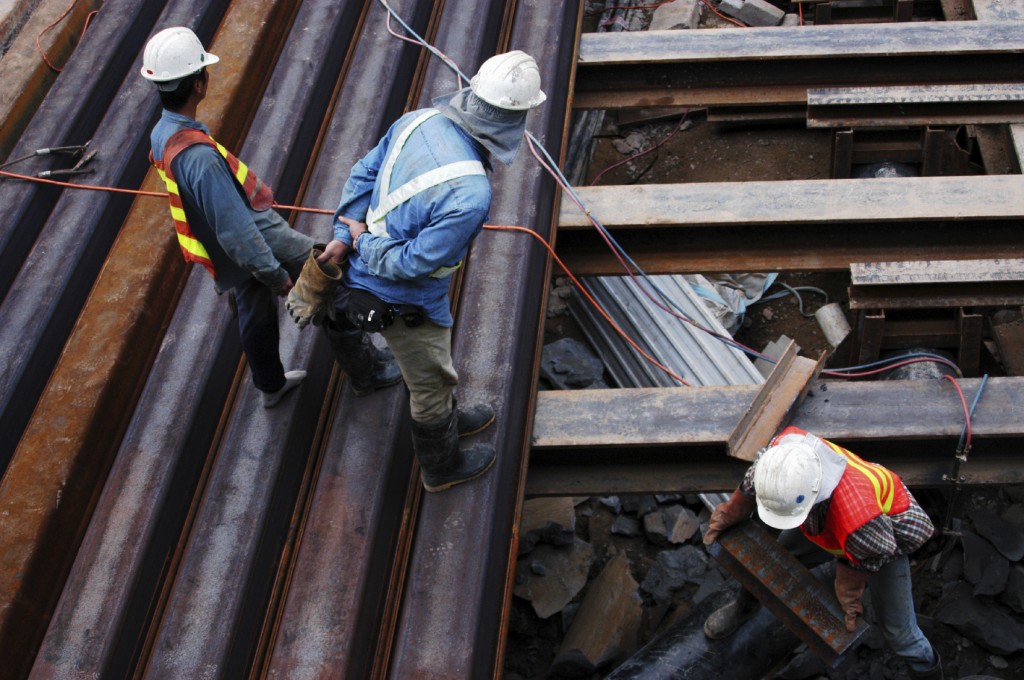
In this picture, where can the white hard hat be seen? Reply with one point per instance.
(787, 481)
(172, 54)
(509, 81)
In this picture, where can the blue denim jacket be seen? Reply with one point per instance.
(245, 242)
(431, 230)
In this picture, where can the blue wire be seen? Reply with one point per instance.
(553, 166)
(970, 413)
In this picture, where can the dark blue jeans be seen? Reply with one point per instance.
(258, 327)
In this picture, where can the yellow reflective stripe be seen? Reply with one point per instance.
(178, 214)
(193, 246)
(243, 170)
(880, 479)
(442, 272)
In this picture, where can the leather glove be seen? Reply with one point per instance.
(850, 585)
(739, 507)
(312, 296)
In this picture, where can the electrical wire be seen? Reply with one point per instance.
(667, 137)
(629, 265)
(39, 46)
(795, 291)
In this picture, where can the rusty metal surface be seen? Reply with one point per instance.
(803, 603)
(213, 614)
(777, 65)
(26, 77)
(358, 524)
(38, 313)
(110, 351)
(494, 350)
(70, 114)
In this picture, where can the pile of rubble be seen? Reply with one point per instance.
(599, 578)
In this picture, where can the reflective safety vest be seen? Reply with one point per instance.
(258, 194)
(376, 218)
(865, 491)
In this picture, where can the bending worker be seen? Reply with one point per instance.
(223, 217)
(857, 511)
(408, 213)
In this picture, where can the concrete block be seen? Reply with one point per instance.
(731, 8)
(681, 14)
(791, 19)
(760, 13)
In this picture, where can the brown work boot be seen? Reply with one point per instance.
(724, 621)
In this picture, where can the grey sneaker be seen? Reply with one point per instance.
(291, 381)
(724, 621)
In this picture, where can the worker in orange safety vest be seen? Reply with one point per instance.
(224, 221)
(829, 501)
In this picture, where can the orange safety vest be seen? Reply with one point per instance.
(865, 491)
(258, 194)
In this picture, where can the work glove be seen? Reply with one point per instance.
(312, 296)
(739, 507)
(850, 585)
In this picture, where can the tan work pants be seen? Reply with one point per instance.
(424, 353)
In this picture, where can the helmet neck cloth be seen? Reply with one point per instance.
(500, 131)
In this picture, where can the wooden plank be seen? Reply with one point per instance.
(799, 202)
(848, 411)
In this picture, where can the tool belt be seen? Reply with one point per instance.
(368, 312)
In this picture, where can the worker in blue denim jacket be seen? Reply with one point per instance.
(224, 220)
(408, 213)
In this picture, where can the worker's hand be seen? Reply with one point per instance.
(738, 508)
(312, 298)
(285, 287)
(335, 251)
(850, 585)
(355, 228)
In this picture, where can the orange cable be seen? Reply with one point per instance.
(56, 21)
(324, 211)
(592, 301)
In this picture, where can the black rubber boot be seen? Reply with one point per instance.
(368, 367)
(724, 621)
(476, 418)
(933, 673)
(442, 463)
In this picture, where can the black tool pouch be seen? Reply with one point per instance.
(368, 312)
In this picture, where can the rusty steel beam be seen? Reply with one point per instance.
(860, 107)
(358, 525)
(777, 65)
(103, 368)
(26, 77)
(38, 314)
(222, 581)
(805, 605)
(675, 438)
(495, 353)
(800, 224)
(71, 113)
(774, 404)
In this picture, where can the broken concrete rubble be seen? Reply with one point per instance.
(976, 633)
